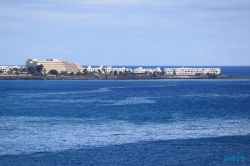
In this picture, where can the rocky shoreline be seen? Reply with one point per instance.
(109, 77)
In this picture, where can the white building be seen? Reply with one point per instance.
(95, 69)
(16, 67)
(141, 70)
(108, 69)
(169, 71)
(5, 69)
(153, 70)
(192, 71)
(10, 69)
(122, 69)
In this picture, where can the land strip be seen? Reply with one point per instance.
(109, 77)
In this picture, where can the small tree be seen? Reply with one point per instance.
(72, 73)
(78, 73)
(31, 70)
(85, 71)
(1, 72)
(53, 72)
(17, 72)
(115, 72)
(22, 69)
(64, 73)
(15, 69)
(44, 71)
(39, 68)
(12, 71)
(104, 70)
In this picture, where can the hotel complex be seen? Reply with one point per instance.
(147, 70)
(55, 64)
(192, 71)
(167, 71)
(109, 69)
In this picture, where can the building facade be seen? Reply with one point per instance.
(107, 70)
(55, 64)
(192, 71)
(141, 70)
(4, 69)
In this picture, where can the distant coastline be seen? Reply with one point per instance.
(53, 69)
(111, 77)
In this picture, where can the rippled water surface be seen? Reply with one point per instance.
(149, 122)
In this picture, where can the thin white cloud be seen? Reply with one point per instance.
(50, 15)
(132, 24)
(212, 3)
(170, 3)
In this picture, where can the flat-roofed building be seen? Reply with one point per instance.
(192, 71)
(141, 70)
(4, 69)
(55, 64)
(108, 69)
(92, 69)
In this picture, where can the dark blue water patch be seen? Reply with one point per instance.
(204, 151)
(134, 101)
(236, 70)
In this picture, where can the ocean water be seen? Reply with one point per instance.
(132, 122)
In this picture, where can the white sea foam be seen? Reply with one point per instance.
(134, 100)
(118, 87)
(130, 101)
(100, 90)
(127, 101)
(39, 134)
(90, 100)
(150, 86)
(42, 95)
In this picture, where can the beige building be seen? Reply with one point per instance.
(55, 64)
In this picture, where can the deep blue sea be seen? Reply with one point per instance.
(131, 122)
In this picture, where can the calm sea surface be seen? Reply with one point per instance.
(139, 122)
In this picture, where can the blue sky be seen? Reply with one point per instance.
(126, 32)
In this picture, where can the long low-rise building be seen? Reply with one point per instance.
(108, 69)
(141, 70)
(192, 71)
(55, 64)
